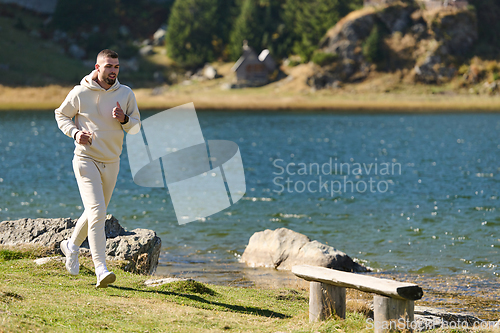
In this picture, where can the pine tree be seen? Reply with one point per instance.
(260, 23)
(192, 30)
(372, 49)
(248, 26)
(309, 20)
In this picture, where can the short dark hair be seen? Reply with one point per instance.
(107, 53)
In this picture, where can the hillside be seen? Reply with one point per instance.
(401, 47)
(32, 58)
(36, 54)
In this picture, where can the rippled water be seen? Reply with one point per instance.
(411, 193)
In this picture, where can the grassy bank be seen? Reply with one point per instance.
(47, 299)
(380, 94)
(207, 96)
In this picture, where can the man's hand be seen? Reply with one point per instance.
(118, 113)
(83, 137)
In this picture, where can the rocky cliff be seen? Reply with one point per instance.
(428, 45)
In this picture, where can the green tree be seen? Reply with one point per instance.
(260, 23)
(227, 12)
(249, 26)
(372, 47)
(309, 20)
(198, 30)
(191, 30)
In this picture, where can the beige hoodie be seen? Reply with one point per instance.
(92, 107)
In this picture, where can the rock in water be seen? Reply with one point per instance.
(283, 248)
(140, 248)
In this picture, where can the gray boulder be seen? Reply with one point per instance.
(209, 72)
(159, 36)
(146, 50)
(426, 72)
(76, 51)
(454, 34)
(344, 37)
(139, 248)
(396, 17)
(283, 248)
(457, 31)
(427, 318)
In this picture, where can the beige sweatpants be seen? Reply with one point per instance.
(96, 182)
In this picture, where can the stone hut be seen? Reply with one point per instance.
(253, 70)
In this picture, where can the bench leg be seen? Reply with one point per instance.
(325, 300)
(390, 314)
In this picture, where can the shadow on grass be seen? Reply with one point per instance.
(236, 308)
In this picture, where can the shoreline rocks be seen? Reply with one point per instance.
(283, 248)
(139, 248)
(427, 318)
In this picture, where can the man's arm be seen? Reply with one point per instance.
(65, 113)
(133, 125)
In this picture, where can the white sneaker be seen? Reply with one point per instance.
(104, 279)
(72, 264)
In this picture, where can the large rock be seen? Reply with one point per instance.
(456, 30)
(140, 248)
(429, 42)
(283, 248)
(76, 51)
(209, 72)
(159, 36)
(453, 34)
(347, 35)
(427, 318)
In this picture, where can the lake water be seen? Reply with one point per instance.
(401, 193)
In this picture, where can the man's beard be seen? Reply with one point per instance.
(109, 81)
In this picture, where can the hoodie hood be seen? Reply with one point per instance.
(89, 83)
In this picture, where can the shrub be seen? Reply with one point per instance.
(188, 286)
(463, 69)
(492, 67)
(324, 58)
(192, 32)
(372, 47)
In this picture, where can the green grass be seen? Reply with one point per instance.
(28, 59)
(32, 60)
(47, 299)
(12, 255)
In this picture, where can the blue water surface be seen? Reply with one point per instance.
(411, 193)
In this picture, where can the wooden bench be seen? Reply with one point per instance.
(393, 305)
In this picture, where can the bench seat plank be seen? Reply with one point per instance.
(390, 288)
